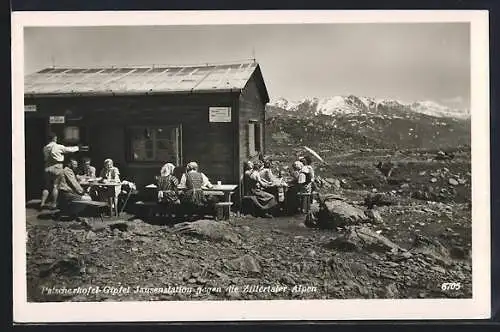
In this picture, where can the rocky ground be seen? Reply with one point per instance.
(382, 241)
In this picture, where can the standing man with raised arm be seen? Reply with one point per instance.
(53, 154)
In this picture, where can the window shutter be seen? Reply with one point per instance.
(251, 139)
(258, 137)
(261, 138)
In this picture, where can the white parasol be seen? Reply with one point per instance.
(314, 153)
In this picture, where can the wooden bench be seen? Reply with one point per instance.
(222, 210)
(96, 205)
(150, 206)
(153, 208)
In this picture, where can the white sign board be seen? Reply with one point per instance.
(30, 108)
(56, 119)
(219, 114)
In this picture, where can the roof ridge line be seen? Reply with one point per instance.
(123, 81)
(136, 66)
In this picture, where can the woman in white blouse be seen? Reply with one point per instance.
(110, 173)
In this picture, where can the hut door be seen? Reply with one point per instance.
(36, 138)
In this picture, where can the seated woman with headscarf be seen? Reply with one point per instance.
(167, 185)
(110, 174)
(192, 183)
(252, 186)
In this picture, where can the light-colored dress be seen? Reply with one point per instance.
(262, 199)
(111, 174)
(267, 175)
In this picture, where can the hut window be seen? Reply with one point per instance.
(154, 144)
(72, 134)
(254, 138)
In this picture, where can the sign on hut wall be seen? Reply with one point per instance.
(219, 114)
(56, 119)
(30, 108)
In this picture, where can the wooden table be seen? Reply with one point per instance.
(222, 208)
(112, 200)
(225, 190)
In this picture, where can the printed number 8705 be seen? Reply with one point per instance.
(451, 286)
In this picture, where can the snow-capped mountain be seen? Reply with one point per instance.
(345, 105)
(434, 109)
(350, 122)
(283, 103)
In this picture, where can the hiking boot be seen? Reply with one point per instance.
(51, 207)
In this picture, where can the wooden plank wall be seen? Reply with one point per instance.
(252, 108)
(106, 118)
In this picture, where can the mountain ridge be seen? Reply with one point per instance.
(341, 123)
(351, 104)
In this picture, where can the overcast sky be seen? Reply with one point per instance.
(409, 62)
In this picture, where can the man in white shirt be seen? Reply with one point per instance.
(53, 154)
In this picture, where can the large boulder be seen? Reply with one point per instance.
(361, 238)
(336, 213)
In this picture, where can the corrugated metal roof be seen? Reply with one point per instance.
(137, 80)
